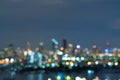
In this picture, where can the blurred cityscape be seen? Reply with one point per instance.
(65, 57)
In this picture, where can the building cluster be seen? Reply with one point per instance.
(67, 55)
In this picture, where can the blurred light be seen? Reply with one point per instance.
(96, 62)
(60, 53)
(58, 78)
(83, 78)
(41, 43)
(20, 60)
(96, 78)
(106, 50)
(78, 78)
(71, 63)
(82, 58)
(67, 78)
(67, 63)
(49, 60)
(110, 63)
(118, 55)
(11, 60)
(89, 63)
(78, 46)
(64, 58)
(62, 48)
(68, 58)
(70, 45)
(116, 63)
(7, 60)
(94, 46)
(48, 65)
(2, 61)
(53, 64)
(73, 58)
(49, 79)
(77, 58)
(25, 53)
(90, 72)
(76, 50)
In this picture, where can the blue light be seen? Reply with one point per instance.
(90, 71)
(106, 51)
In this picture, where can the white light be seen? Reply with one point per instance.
(7, 59)
(53, 64)
(25, 53)
(11, 60)
(78, 46)
(68, 58)
(60, 53)
(49, 79)
(73, 58)
(77, 58)
(78, 78)
(82, 58)
(96, 62)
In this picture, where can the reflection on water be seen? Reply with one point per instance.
(49, 75)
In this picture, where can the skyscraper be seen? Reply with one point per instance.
(64, 43)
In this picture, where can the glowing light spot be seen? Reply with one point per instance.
(89, 63)
(116, 63)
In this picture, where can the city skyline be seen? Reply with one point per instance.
(84, 22)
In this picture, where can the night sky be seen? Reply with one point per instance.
(84, 22)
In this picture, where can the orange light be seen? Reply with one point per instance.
(49, 60)
(20, 60)
(2, 61)
(62, 49)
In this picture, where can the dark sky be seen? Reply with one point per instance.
(84, 22)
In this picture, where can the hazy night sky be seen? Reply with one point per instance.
(85, 22)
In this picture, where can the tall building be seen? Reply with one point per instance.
(64, 43)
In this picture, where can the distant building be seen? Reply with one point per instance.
(64, 44)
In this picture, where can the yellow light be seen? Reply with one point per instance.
(89, 63)
(49, 60)
(29, 51)
(84, 79)
(71, 63)
(67, 63)
(116, 63)
(94, 56)
(118, 55)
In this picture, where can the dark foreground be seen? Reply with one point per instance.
(88, 74)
